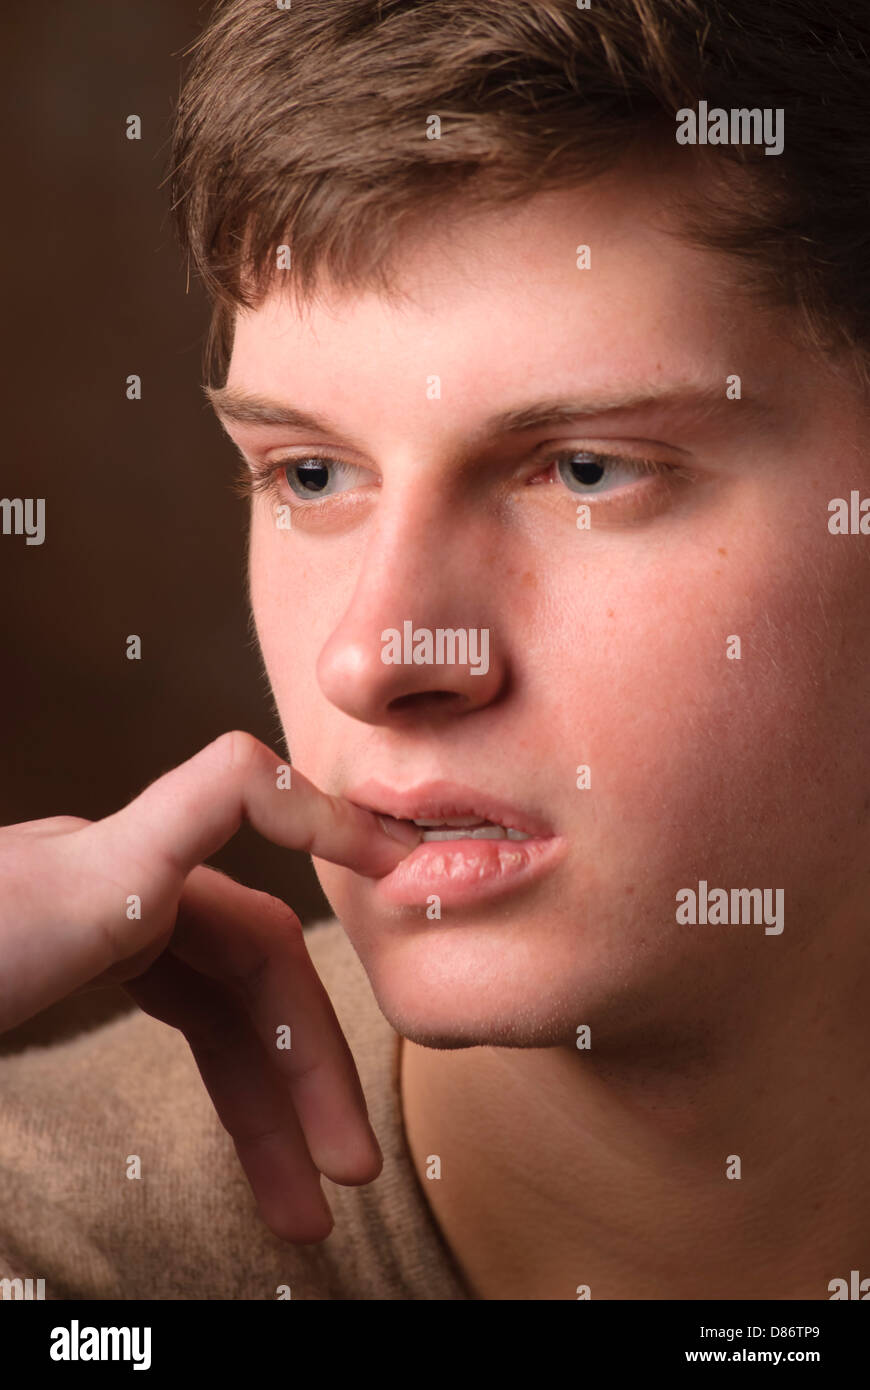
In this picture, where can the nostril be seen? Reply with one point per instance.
(421, 698)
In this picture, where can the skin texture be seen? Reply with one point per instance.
(607, 648)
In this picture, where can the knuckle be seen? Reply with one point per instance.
(240, 749)
(61, 823)
(278, 926)
(249, 979)
(254, 1134)
(48, 825)
(279, 912)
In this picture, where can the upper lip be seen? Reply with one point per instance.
(447, 801)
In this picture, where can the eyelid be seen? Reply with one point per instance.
(642, 464)
(262, 476)
(655, 485)
(627, 445)
(639, 451)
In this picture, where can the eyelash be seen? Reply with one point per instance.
(266, 479)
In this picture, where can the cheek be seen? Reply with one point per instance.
(710, 701)
(292, 620)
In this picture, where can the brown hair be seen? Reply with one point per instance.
(307, 126)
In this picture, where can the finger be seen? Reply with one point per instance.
(246, 1093)
(192, 811)
(51, 825)
(254, 945)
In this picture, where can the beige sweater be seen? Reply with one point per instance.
(71, 1113)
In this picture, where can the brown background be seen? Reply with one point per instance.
(143, 532)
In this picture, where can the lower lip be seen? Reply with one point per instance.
(461, 872)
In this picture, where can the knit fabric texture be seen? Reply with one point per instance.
(72, 1113)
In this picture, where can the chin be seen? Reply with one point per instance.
(530, 978)
(471, 985)
(448, 1028)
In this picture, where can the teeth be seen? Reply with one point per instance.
(474, 832)
(457, 820)
(467, 828)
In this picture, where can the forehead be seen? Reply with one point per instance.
(590, 285)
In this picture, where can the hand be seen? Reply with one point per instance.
(125, 899)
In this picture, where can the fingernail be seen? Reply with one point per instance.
(402, 830)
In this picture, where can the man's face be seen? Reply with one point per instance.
(610, 645)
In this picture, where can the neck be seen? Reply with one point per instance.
(637, 1174)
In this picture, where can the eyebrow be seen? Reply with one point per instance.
(240, 407)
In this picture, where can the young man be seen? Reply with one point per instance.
(547, 372)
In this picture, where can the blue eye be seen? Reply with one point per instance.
(585, 472)
(316, 477)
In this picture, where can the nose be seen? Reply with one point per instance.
(418, 638)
